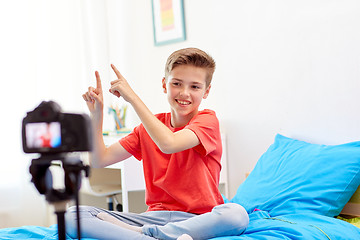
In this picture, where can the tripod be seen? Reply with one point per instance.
(42, 178)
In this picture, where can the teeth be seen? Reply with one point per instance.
(183, 102)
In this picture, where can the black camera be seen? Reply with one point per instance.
(47, 129)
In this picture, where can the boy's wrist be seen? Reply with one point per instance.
(132, 98)
(96, 116)
(97, 121)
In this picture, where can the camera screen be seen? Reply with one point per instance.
(43, 135)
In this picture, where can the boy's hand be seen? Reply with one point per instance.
(120, 86)
(94, 97)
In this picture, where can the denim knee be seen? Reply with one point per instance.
(232, 214)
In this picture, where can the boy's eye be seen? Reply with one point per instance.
(176, 83)
(195, 87)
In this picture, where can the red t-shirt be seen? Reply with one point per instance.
(185, 181)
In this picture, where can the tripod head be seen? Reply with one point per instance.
(43, 179)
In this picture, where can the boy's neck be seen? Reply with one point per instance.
(178, 120)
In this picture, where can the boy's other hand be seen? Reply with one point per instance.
(94, 96)
(120, 86)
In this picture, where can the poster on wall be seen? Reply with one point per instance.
(168, 21)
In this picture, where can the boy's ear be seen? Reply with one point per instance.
(206, 94)
(164, 85)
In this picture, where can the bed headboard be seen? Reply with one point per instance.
(352, 208)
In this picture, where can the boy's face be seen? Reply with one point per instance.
(185, 89)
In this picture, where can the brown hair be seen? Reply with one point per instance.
(191, 56)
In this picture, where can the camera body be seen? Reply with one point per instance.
(47, 130)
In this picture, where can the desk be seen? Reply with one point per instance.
(132, 177)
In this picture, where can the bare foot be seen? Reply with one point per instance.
(108, 218)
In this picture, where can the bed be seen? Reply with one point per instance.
(297, 190)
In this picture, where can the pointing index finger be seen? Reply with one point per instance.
(98, 80)
(118, 74)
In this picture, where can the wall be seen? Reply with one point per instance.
(289, 67)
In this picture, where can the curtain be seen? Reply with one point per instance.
(49, 51)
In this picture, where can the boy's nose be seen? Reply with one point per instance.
(184, 92)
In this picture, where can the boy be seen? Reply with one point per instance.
(181, 153)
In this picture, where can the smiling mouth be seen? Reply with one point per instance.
(183, 102)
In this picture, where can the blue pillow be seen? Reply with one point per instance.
(293, 176)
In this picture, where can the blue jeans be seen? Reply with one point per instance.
(224, 220)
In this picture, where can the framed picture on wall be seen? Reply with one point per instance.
(168, 21)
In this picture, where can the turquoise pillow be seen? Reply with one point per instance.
(293, 176)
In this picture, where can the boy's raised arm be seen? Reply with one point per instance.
(101, 156)
(167, 141)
